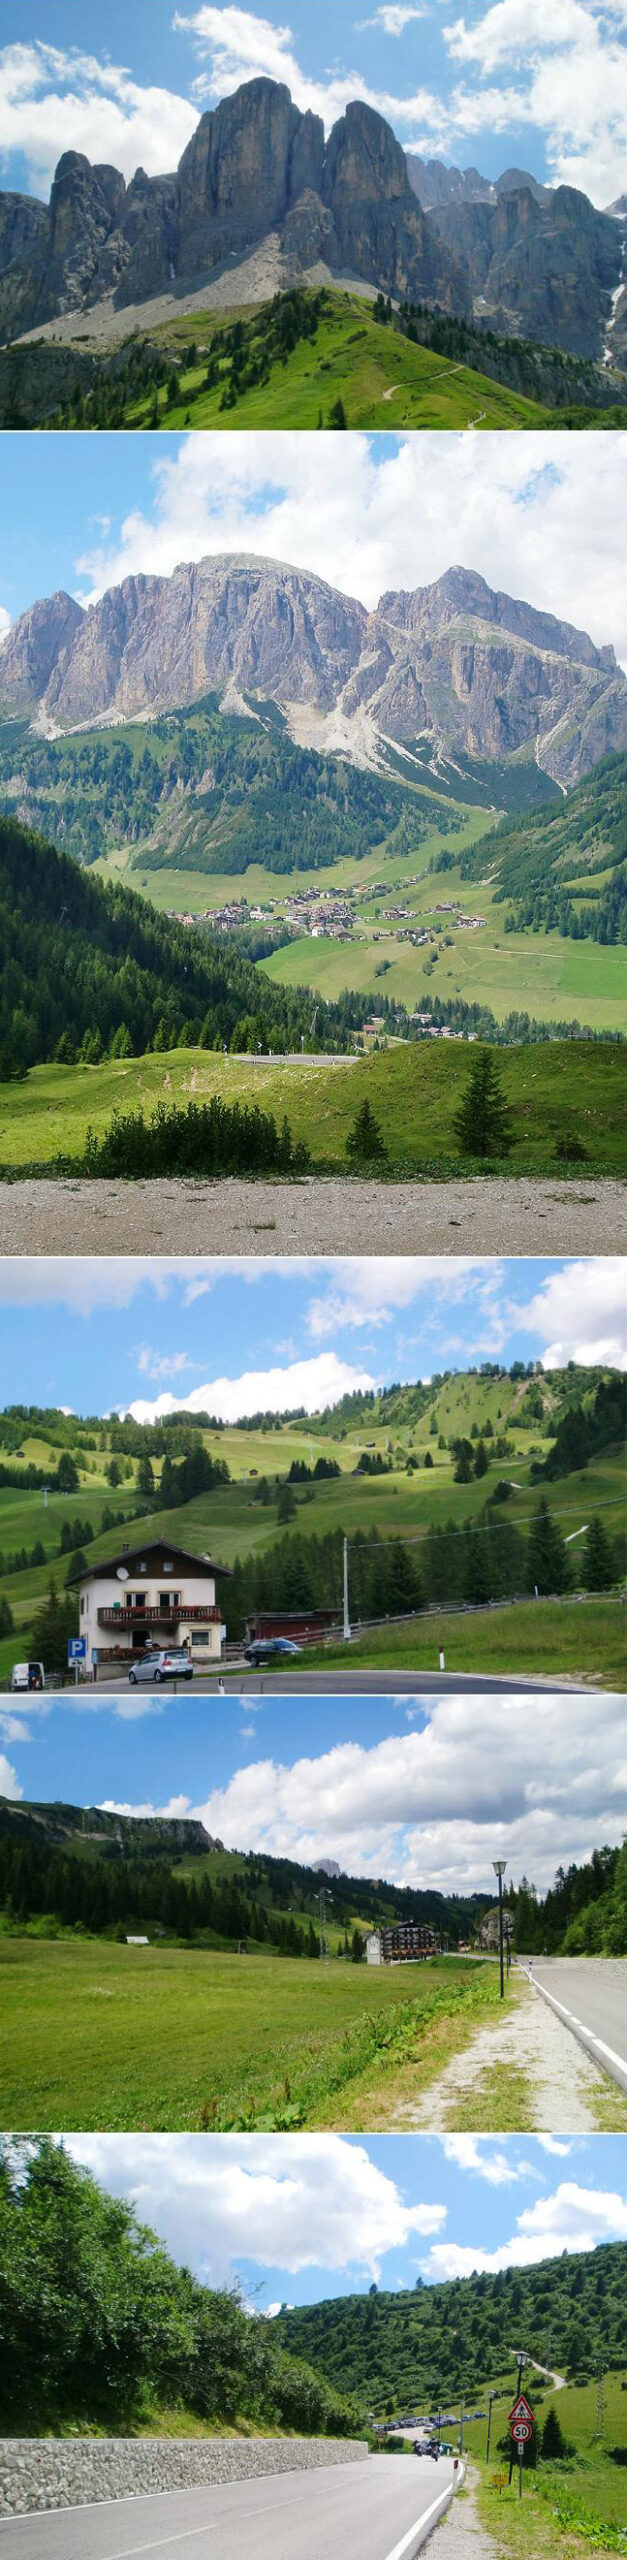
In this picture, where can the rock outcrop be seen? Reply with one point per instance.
(539, 270)
(526, 260)
(474, 672)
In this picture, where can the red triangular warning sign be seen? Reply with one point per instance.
(521, 2409)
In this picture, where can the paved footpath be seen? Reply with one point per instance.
(317, 1215)
(461, 2536)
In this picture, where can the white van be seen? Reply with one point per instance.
(28, 1675)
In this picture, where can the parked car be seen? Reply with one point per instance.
(265, 1649)
(28, 1675)
(153, 1667)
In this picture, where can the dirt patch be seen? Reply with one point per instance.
(317, 1215)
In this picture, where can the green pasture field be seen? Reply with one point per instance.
(382, 378)
(542, 974)
(555, 1089)
(570, 1639)
(98, 2035)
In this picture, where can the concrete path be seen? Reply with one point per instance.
(564, 2083)
(317, 1215)
(365, 2510)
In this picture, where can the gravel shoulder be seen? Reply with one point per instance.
(565, 2091)
(316, 1215)
(460, 2535)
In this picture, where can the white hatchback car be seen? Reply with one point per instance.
(153, 1667)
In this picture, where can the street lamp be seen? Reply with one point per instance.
(499, 1865)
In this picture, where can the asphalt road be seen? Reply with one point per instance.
(590, 1996)
(362, 2509)
(358, 1683)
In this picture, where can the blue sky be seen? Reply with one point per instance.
(492, 85)
(426, 1792)
(332, 2214)
(537, 518)
(234, 1338)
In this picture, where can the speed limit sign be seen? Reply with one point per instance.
(521, 2431)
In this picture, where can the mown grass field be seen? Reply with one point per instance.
(568, 1639)
(103, 2036)
(382, 379)
(556, 1090)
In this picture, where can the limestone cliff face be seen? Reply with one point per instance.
(255, 165)
(472, 670)
(538, 269)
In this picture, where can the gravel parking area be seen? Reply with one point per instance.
(316, 1215)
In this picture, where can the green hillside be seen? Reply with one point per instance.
(403, 2350)
(566, 1097)
(564, 868)
(317, 359)
(104, 2333)
(82, 960)
(82, 1867)
(438, 1489)
(226, 827)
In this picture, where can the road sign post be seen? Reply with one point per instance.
(76, 1653)
(521, 2423)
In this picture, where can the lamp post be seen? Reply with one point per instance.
(499, 1865)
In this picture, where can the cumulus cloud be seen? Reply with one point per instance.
(371, 1293)
(573, 2218)
(236, 44)
(570, 68)
(279, 2200)
(472, 2152)
(580, 1313)
(312, 1383)
(372, 521)
(55, 98)
(9, 1781)
(394, 1808)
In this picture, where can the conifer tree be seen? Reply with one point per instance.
(482, 1124)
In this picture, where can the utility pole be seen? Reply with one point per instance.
(491, 2397)
(499, 1865)
(347, 1623)
(600, 2416)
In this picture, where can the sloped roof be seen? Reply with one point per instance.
(131, 1557)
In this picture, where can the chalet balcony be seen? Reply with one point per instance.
(194, 1613)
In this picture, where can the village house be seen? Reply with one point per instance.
(146, 1597)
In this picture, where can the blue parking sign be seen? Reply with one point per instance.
(76, 1648)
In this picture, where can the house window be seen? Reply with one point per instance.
(200, 1635)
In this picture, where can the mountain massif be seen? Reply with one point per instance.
(517, 256)
(470, 671)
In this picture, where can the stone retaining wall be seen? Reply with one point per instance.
(73, 2472)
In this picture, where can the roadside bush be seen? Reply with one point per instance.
(205, 1138)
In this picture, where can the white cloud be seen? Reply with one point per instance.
(542, 525)
(571, 65)
(394, 1808)
(312, 1383)
(278, 2200)
(573, 2218)
(236, 45)
(9, 1781)
(470, 2151)
(55, 99)
(370, 1293)
(176, 1808)
(392, 18)
(158, 1364)
(580, 1313)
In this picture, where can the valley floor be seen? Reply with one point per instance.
(506, 1214)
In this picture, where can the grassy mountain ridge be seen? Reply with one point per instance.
(289, 361)
(398, 2348)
